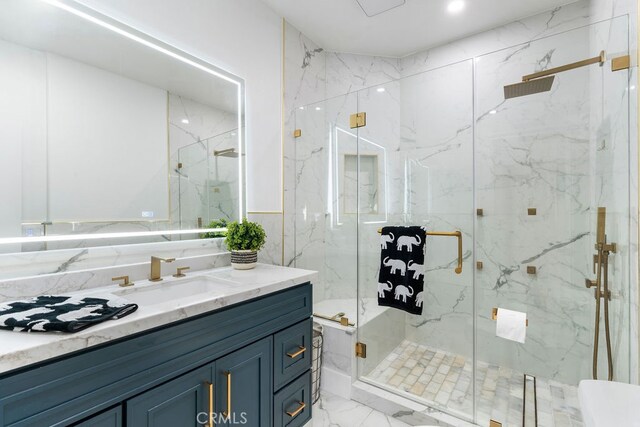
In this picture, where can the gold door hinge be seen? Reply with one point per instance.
(620, 63)
(297, 133)
(358, 120)
(361, 350)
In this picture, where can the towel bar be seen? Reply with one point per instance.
(494, 315)
(457, 234)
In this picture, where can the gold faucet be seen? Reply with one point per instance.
(156, 271)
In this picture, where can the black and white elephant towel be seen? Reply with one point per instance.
(401, 278)
(61, 313)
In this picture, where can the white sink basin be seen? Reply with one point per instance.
(609, 404)
(168, 292)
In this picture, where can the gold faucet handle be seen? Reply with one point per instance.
(590, 283)
(125, 281)
(179, 271)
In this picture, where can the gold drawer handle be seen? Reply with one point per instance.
(211, 417)
(297, 353)
(227, 413)
(297, 411)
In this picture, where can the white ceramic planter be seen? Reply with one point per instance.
(244, 260)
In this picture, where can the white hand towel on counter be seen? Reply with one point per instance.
(511, 325)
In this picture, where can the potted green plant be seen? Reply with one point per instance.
(221, 223)
(244, 240)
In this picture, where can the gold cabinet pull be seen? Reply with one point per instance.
(211, 408)
(301, 350)
(293, 414)
(227, 413)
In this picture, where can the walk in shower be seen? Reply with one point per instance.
(522, 179)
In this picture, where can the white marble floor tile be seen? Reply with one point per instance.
(334, 411)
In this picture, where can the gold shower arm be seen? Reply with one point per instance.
(457, 234)
(596, 59)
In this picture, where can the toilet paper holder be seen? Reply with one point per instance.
(494, 315)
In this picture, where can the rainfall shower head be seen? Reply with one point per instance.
(229, 152)
(529, 87)
(543, 80)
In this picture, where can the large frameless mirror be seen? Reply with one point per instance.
(109, 136)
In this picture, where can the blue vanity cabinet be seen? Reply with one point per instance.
(174, 375)
(109, 418)
(244, 387)
(183, 402)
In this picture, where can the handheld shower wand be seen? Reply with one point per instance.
(601, 284)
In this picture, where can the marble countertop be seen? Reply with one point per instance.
(208, 290)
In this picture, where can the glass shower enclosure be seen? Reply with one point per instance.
(523, 179)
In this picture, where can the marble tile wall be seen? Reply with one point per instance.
(563, 170)
(521, 168)
(75, 269)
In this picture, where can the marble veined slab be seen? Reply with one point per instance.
(224, 287)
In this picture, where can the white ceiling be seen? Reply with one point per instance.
(343, 26)
(40, 26)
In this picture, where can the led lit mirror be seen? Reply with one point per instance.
(109, 136)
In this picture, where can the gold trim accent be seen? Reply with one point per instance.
(479, 265)
(211, 404)
(358, 120)
(125, 281)
(531, 269)
(297, 133)
(264, 213)
(300, 408)
(479, 212)
(532, 211)
(595, 60)
(493, 423)
(301, 349)
(494, 315)
(227, 413)
(457, 234)
(156, 268)
(179, 271)
(282, 133)
(620, 63)
(524, 400)
(361, 350)
(338, 318)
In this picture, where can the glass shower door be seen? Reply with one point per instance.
(415, 167)
(544, 165)
(325, 223)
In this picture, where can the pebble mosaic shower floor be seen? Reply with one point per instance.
(446, 379)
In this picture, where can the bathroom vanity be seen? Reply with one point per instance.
(238, 346)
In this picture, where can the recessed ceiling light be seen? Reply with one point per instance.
(302, 108)
(380, 89)
(318, 108)
(492, 112)
(185, 121)
(455, 6)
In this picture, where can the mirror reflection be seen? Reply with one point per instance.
(107, 131)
